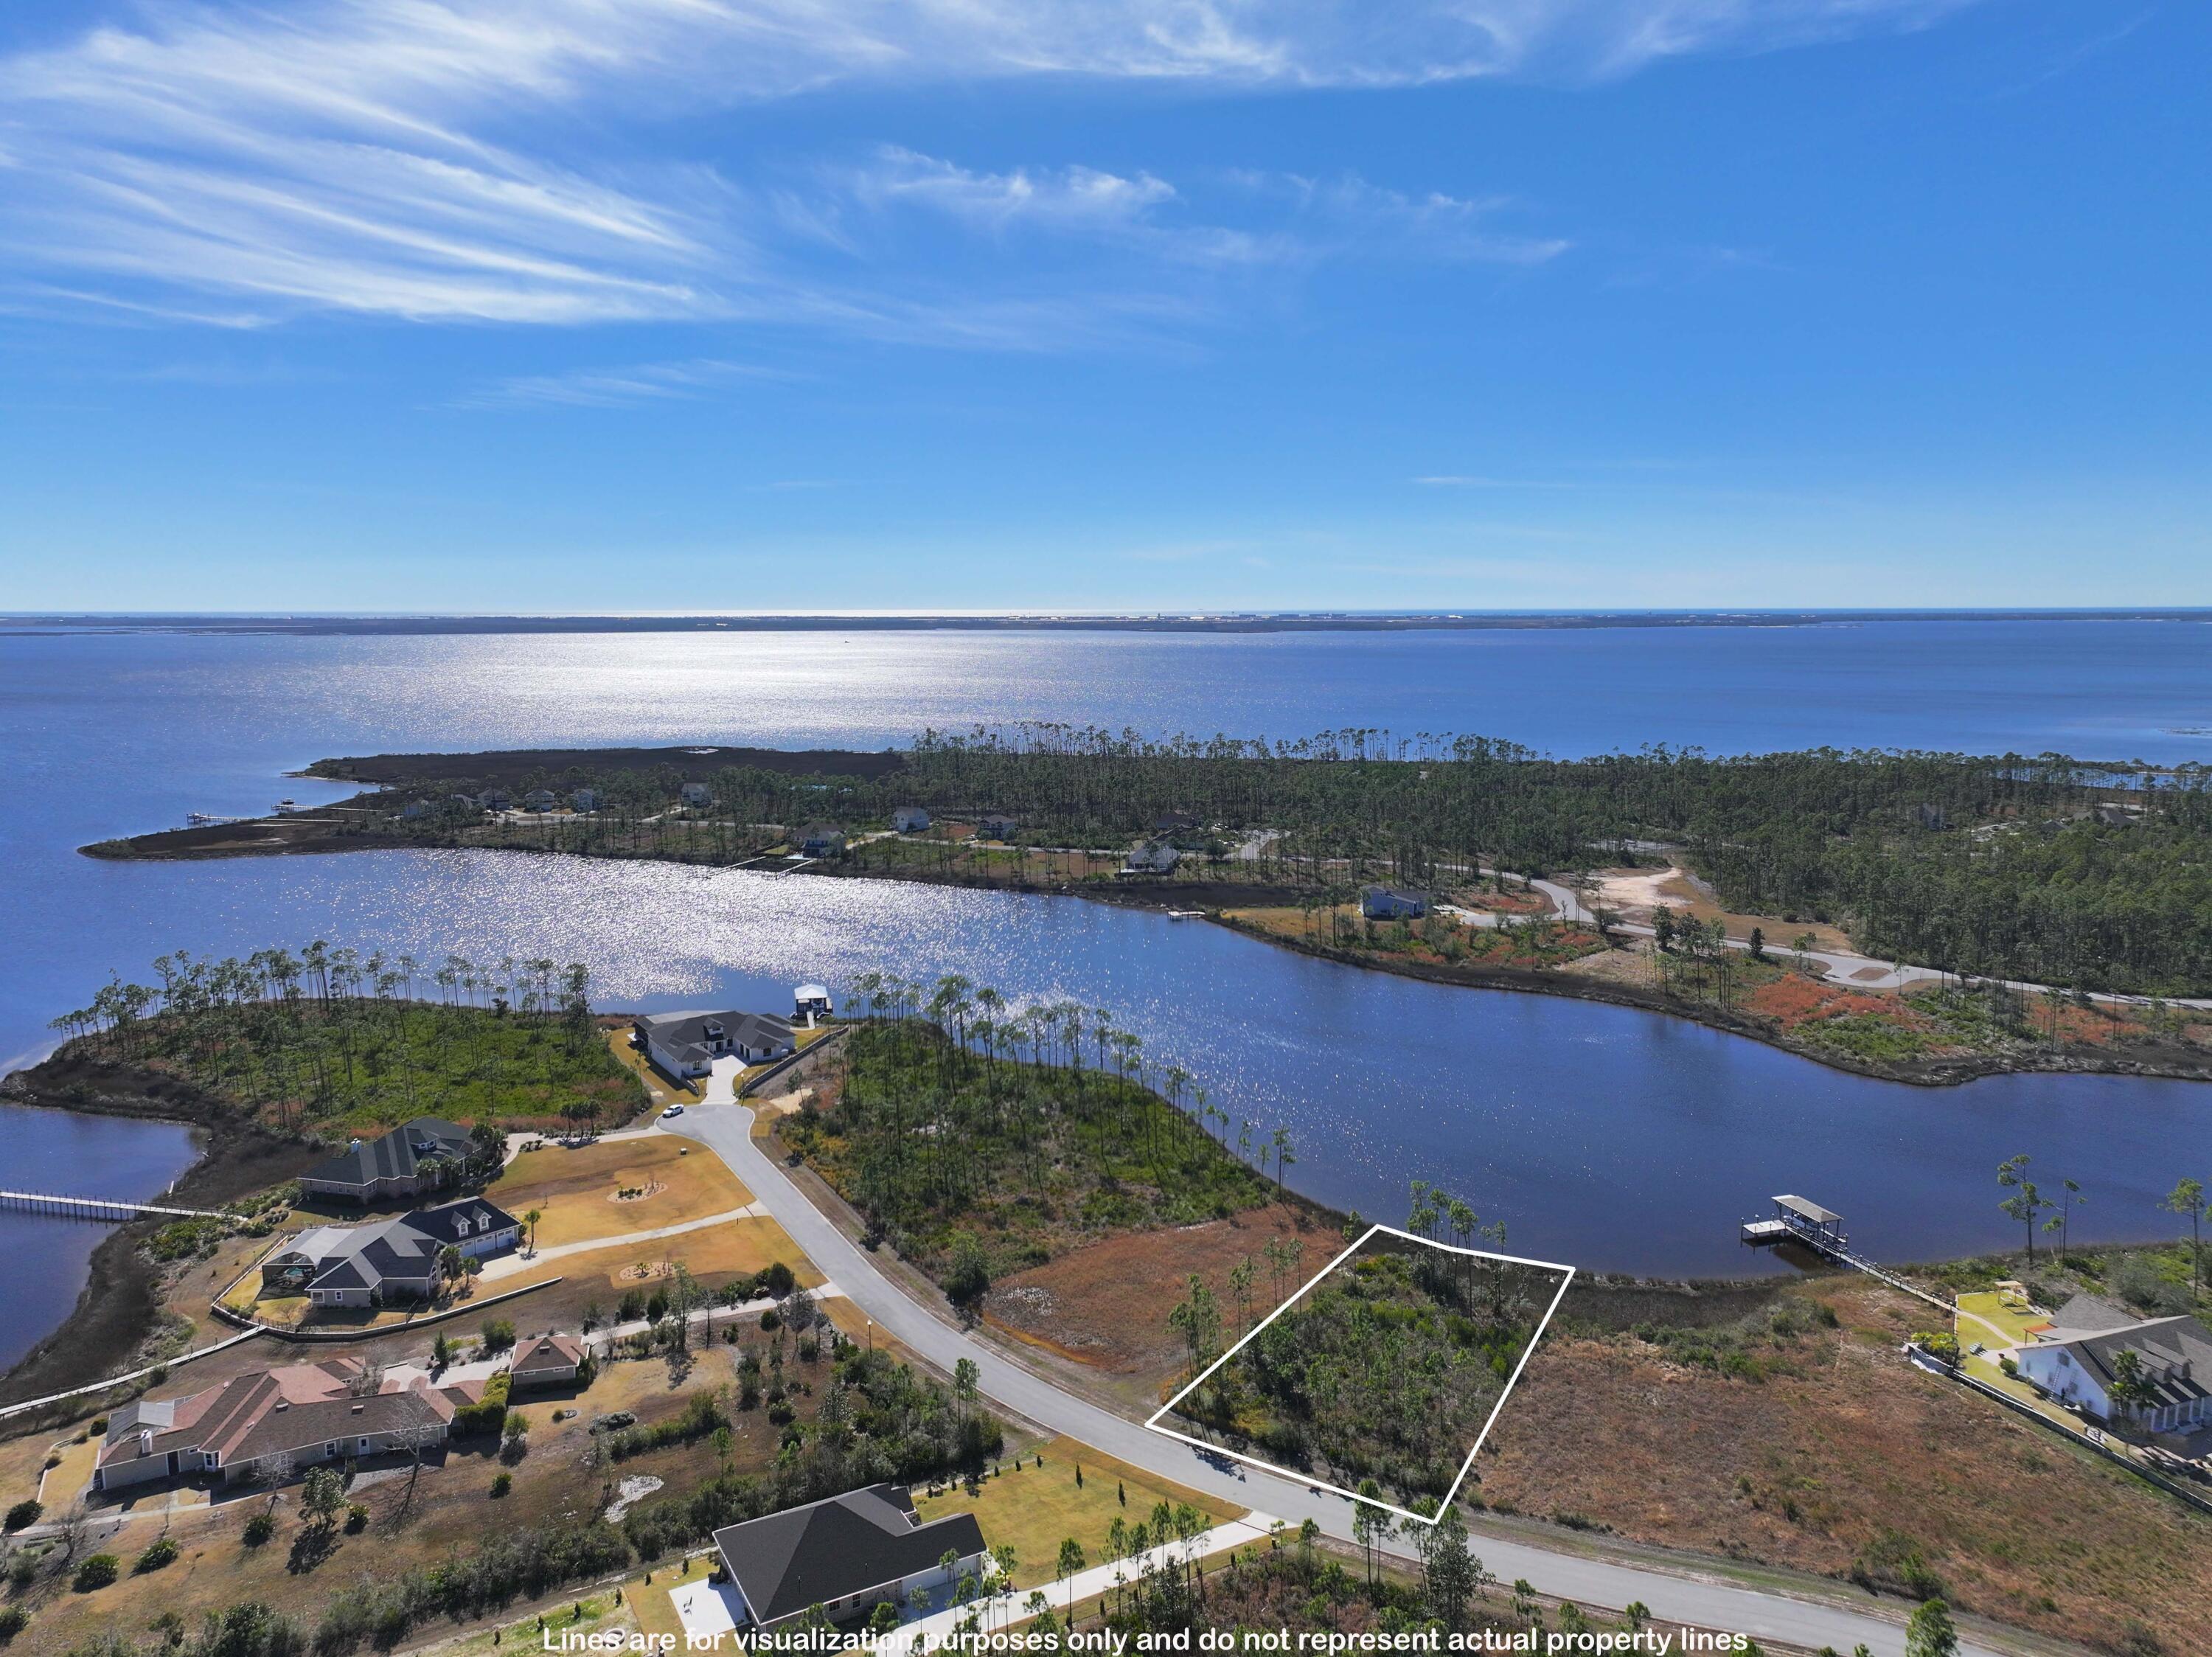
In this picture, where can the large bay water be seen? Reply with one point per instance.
(1604, 1137)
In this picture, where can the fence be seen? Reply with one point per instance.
(1927, 1359)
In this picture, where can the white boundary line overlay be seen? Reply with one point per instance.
(1467, 1466)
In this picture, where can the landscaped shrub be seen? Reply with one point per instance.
(1940, 1344)
(259, 1529)
(162, 1550)
(97, 1572)
(498, 1334)
(502, 1483)
(357, 1516)
(14, 1619)
(24, 1513)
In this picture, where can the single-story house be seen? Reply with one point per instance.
(810, 1000)
(997, 825)
(697, 794)
(1383, 903)
(822, 840)
(909, 820)
(388, 1261)
(540, 799)
(686, 1045)
(1152, 857)
(546, 1360)
(847, 1555)
(585, 799)
(2173, 1358)
(269, 1423)
(413, 1157)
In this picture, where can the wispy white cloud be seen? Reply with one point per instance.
(465, 160)
(617, 387)
(1287, 219)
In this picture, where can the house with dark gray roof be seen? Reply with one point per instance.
(686, 1045)
(415, 1157)
(386, 1262)
(845, 1555)
(2171, 1361)
(1383, 903)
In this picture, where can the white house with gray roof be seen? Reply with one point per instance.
(686, 1045)
(2079, 1366)
(388, 1261)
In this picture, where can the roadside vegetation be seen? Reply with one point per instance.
(977, 1139)
(327, 1036)
(1382, 1375)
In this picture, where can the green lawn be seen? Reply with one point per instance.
(1037, 1509)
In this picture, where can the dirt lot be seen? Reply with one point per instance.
(1636, 892)
(1106, 1305)
(1839, 1443)
(579, 1192)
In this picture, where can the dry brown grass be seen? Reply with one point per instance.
(1843, 1443)
(714, 1254)
(576, 1190)
(1106, 1305)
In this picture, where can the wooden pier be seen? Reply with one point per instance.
(1802, 1220)
(100, 1208)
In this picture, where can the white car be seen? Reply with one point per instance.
(673, 1110)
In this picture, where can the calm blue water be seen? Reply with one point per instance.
(1603, 1137)
(82, 1156)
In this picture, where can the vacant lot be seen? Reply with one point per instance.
(1778, 1437)
(1106, 1305)
(1035, 1509)
(612, 1189)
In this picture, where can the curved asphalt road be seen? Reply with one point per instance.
(726, 1129)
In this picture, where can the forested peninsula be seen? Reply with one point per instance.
(1773, 893)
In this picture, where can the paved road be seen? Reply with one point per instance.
(726, 1129)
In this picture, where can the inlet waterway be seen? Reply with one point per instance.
(1605, 1136)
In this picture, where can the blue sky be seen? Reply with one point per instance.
(683, 305)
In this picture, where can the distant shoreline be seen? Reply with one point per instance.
(33, 625)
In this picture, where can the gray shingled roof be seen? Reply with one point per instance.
(848, 1544)
(2176, 1354)
(684, 1034)
(394, 1155)
(406, 1246)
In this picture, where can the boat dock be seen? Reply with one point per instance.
(100, 1208)
(1802, 1220)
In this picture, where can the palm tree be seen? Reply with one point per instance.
(530, 1220)
(2188, 1198)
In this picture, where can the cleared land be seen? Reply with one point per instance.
(1781, 1425)
(611, 1189)
(1105, 1305)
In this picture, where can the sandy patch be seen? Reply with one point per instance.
(628, 1494)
